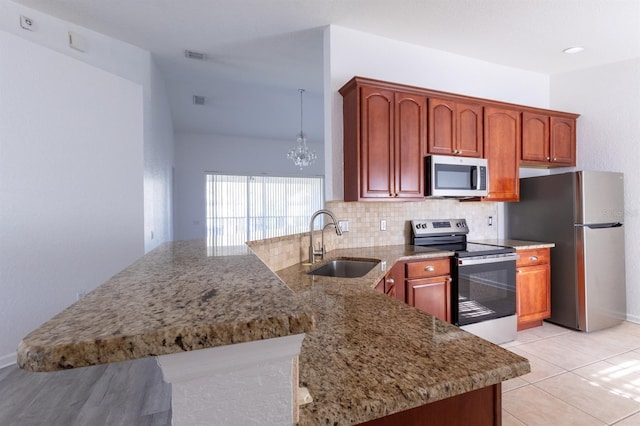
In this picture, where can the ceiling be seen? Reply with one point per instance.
(260, 52)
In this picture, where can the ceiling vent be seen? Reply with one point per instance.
(198, 100)
(195, 55)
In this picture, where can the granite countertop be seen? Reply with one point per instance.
(365, 355)
(179, 297)
(516, 244)
(372, 355)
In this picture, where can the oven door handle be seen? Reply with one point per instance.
(482, 260)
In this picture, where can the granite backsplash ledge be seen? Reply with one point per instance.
(364, 227)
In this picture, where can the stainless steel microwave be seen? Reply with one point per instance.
(455, 177)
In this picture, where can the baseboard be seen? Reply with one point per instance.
(7, 360)
(633, 318)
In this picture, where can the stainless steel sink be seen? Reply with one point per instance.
(345, 268)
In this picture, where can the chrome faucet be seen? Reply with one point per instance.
(313, 252)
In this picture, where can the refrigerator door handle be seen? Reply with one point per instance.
(599, 225)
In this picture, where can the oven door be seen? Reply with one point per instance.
(484, 288)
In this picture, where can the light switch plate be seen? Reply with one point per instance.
(76, 41)
(344, 225)
(383, 225)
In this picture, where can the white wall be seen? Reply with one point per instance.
(85, 166)
(349, 53)
(200, 153)
(158, 161)
(608, 99)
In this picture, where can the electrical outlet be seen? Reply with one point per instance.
(344, 225)
(383, 225)
(26, 23)
(490, 221)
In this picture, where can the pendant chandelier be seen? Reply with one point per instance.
(301, 155)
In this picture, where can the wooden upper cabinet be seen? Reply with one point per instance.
(502, 136)
(384, 144)
(535, 137)
(563, 141)
(376, 145)
(455, 128)
(389, 128)
(548, 140)
(409, 147)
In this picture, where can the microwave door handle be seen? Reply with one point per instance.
(474, 177)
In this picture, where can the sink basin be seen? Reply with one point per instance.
(345, 268)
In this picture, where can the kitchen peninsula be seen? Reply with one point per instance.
(364, 356)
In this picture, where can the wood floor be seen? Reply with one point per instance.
(126, 393)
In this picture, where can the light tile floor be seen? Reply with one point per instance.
(576, 378)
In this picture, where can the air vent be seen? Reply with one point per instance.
(195, 55)
(198, 100)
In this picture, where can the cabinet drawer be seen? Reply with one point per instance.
(533, 257)
(428, 268)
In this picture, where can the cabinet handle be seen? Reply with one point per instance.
(518, 271)
(429, 268)
(450, 279)
(555, 159)
(533, 258)
(548, 158)
(390, 281)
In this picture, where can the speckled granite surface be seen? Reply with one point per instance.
(179, 297)
(368, 356)
(372, 355)
(516, 244)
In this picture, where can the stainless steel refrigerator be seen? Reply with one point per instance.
(583, 214)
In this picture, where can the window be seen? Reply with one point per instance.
(245, 208)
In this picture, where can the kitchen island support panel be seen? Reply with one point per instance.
(235, 384)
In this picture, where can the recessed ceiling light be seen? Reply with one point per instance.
(571, 50)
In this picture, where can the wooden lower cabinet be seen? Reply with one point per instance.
(431, 295)
(392, 283)
(482, 407)
(533, 287)
(428, 286)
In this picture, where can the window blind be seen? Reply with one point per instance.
(245, 208)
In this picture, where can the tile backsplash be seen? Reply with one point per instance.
(364, 227)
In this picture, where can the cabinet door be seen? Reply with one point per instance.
(376, 143)
(535, 138)
(410, 145)
(442, 127)
(502, 150)
(469, 129)
(431, 295)
(533, 293)
(563, 141)
(455, 128)
(395, 278)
